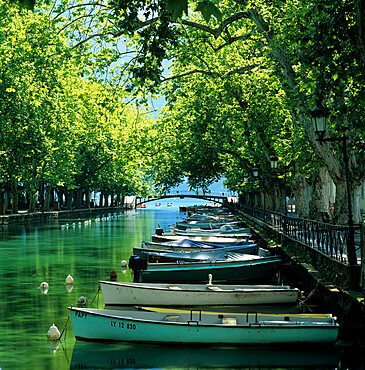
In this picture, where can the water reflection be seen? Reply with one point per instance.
(90, 355)
(35, 253)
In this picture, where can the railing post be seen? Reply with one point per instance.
(362, 246)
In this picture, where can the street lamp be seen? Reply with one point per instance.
(319, 120)
(274, 165)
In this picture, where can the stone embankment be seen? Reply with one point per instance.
(24, 217)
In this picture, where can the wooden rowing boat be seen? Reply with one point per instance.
(243, 268)
(120, 293)
(200, 328)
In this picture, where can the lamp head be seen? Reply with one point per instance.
(319, 119)
(274, 162)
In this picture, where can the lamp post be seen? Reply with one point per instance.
(274, 165)
(319, 120)
(246, 179)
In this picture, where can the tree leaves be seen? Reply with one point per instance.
(209, 9)
(177, 8)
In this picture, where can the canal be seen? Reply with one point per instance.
(89, 249)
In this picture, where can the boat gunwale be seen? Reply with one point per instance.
(280, 288)
(284, 290)
(198, 323)
(210, 264)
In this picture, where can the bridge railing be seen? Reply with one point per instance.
(210, 197)
(330, 240)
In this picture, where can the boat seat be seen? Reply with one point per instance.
(229, 321)
(175, 287)
(172, 318)
(214, 287)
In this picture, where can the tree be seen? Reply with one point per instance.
(281, 32)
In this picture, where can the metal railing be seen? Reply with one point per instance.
(331, 240)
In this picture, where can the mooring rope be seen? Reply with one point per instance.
(64, 328)
(96, 295)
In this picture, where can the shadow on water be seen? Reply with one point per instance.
(92, 355)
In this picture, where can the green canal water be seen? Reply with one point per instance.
(89, 249)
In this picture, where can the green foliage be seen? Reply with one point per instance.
(208, 9)
(57, 127)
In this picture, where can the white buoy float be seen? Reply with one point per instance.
(123, 263)
(44, 287)
(53, 333)
(69, 279)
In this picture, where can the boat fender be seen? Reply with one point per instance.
(113, 275)
(82, 301)
(123, 263)
(210, 278)
(69, 279)
(53, 333)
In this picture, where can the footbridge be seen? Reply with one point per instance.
(209, 197)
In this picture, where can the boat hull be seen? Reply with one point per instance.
(182, 253)
(115, 293)
(93, 324)
(211, 239)
(222, 271)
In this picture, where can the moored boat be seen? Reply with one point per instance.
(224, 230)
(120, 293)
(188, 244)
(201, 328)
(165, 255)
(208, 225)
(170, 236)
(244, 268)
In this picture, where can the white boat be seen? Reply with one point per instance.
(170, 236)
(224, 230)
(120, 293)
(208, 225)
(196, 327)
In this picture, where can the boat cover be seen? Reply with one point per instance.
(206, 256)
(188, 243)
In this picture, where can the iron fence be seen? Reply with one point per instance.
(329, 239)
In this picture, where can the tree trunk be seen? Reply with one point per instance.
(301, 197)
(341, 211)
(319, 206)
(47, 199)
(88, 197)
(14, 195)
(117, 200)
(69, 199)
(78, 195)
